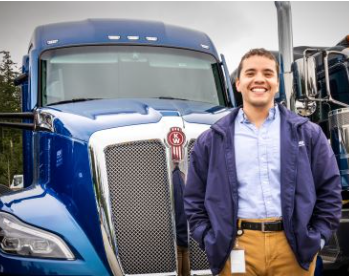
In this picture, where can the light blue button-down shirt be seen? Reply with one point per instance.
(258, 166)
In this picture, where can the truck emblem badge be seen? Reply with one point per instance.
(176, 139)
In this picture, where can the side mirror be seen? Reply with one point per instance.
(20, 79)
(326, 54)
(311, 81)
(298, 79)
(304, 106)
(309, 68)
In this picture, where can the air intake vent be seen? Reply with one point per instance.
(198, 258)
(141, 207)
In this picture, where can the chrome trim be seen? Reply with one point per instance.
(201, 272)
(284, 18)
(44, 120)
(309, 81)
(327, 77)
(191, 131)
(312, 77)
(100, 140)
(338, 111)
(104, 208)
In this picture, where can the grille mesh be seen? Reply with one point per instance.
(141, 206)
(198, 258)
(340, 119)
(190, 148)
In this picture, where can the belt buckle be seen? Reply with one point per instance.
(263, 228)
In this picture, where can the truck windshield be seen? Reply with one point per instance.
(92, 72)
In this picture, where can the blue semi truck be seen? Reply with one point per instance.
(110, 108)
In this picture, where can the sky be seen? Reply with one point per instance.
(234, 27)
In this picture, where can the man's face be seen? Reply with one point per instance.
(258, 82)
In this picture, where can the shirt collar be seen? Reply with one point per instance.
(273, 113)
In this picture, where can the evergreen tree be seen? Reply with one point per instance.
(10, 139)
(10, 95)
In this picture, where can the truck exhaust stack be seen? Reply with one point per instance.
(285, 48)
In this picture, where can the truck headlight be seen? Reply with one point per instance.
(22, 239)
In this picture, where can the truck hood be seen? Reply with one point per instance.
(80, 120)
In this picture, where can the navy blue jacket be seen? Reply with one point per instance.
(310, 188)
(181, 219)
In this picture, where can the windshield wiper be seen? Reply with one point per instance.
(171, 98)
(73, 101)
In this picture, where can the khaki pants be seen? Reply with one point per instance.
(183, 261)
(267, 254)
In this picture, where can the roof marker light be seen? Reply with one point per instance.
(114, 37)
(151, 38)
(133, 37)
(205, 46)
(53, 41)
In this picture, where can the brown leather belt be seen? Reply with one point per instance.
(263, 226)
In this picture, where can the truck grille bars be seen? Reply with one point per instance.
(132, 176)
(140, 197)
(198, 260)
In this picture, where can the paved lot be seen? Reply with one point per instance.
(340, 272)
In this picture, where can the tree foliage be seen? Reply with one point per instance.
(11, 160)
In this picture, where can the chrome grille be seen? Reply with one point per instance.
(198, 258)
(190, 148)
(141, 206)
(338, 118)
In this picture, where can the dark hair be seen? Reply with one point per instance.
(258, 52)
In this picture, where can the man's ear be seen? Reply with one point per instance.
(237, 84)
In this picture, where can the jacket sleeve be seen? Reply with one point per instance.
(327, 211)
(195, 190)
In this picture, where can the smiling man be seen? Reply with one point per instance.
(263, 189)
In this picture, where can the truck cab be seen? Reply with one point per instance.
(110, 108)
(321, 92)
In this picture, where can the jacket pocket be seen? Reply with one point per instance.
(199, 233)
(313, 232)
(208, 237)
(308, 244)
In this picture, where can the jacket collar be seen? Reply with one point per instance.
(224, 125)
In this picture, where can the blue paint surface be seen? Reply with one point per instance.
(80, 120)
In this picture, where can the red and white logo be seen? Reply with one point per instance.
(176, 139)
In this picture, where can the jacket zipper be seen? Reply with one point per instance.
(295, 138)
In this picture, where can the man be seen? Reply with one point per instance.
(262, 180)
